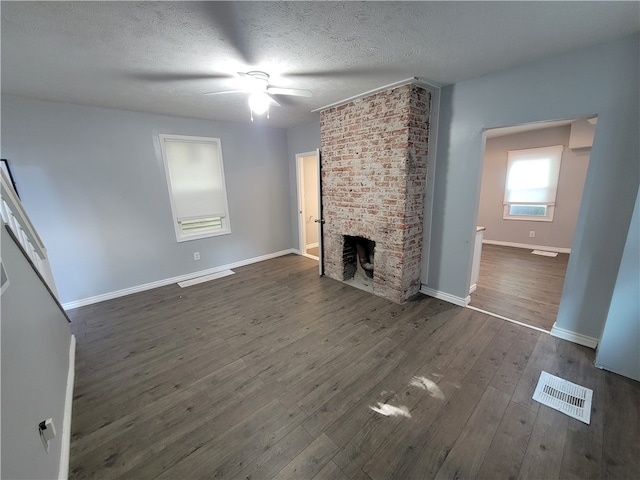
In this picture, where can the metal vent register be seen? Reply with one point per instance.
(564, 396)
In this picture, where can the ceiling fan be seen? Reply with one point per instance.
(260, 92)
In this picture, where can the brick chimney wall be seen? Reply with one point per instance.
(374, 169)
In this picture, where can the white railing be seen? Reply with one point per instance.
(16, 218)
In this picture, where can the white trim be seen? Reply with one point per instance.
(447, 297)
(413, 80)
(312, 257)
(63, 471)
(302, 235)
(473, 288)
(206, 278)
(574, 337)
(312, 245)
(527, 246)
(434, 117)
(510, 320)
(169, 281)
(320, 215)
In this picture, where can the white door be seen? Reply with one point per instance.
(309, 199)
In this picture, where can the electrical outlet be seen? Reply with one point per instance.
(532, 234)
(196, 255)
(47, 432)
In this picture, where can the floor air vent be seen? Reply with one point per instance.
(545, 253)
(564, 396)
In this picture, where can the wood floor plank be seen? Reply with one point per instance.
(199, 462)
(126, 450)
(363, 432)
(435, 445)
(509, 445)
(543, 457)
(509, 373)
(334, 406)
(581, 459)
(466, 456)
(206, 382)
(583, 447)
(621, 448)
(276, 457)
(255, 445)
(227, 419)
(542, 358)
(330, 472)
(521, 286)
(310, 461)
(90, 427)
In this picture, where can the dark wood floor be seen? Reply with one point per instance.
(521, 286)
(276, 372)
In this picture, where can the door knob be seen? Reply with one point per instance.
(317, 220)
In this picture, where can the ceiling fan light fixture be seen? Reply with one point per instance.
(259, 102)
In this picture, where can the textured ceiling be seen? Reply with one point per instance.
(160, 57)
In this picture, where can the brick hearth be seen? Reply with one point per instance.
(374, 167)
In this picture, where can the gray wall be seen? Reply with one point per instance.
(300, 139)
(619, 349)
(93, 183)
(35, 364)
(573, 171)
(600, 80)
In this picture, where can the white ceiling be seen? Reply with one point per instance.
(160, 57)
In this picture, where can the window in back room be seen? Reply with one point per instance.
(532, 183)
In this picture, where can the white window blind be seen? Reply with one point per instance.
(195, 177)
(532, 176)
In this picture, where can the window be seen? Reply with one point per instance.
(532, 182)
(195, 177)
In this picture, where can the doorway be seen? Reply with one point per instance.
(514, 282)
(307, 166)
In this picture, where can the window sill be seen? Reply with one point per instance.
(198, 236)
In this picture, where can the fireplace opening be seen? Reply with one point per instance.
(358, 262)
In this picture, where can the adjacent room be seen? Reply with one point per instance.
(292, 240)
(532, 182)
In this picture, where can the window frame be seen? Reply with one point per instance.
(506, 214)
(181, 236)
(555, 154)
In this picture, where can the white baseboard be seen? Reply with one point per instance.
(527, 246)
(462, 302)
(473, 288)
(312, 245)
(63, 471)
(574, 337)
(507, 319)
(169, 281)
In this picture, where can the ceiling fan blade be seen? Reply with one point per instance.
(176, 77)
(274, 101)
(296, 92)
(224, 92)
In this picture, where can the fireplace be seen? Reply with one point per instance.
(374, 166)
(358, 261)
